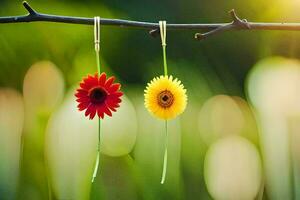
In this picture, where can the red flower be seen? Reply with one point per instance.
(98, 95)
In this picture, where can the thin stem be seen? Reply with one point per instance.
(99, 123)
(165, 60)
(98, 152)
(163, 177)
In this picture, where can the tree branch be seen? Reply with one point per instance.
(153, 28)
(237, 23)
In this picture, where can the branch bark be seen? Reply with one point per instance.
(153, 28)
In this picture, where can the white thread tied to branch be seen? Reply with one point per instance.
(163, 32)
(97, 33)
(163, 35)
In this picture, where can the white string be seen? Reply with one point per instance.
(163, 32)
(97, 33)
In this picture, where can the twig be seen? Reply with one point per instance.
(237, 23)
(213, 29)
(29, 9)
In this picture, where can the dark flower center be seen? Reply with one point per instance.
(165, 98)
(97, 95)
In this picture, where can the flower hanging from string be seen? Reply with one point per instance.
(165, 97)
(98, 95)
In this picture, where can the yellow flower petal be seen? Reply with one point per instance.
(174, 96)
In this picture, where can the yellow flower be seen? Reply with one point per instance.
(165, 98)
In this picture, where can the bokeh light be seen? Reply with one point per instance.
(11, 126)
(233, 169)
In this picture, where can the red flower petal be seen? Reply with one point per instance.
(85, 86)
(112, 105)
(112, 109)
(98, 95)
(93, 113)
(107, 111)
(102, 79)
(88, 110)
(109, 82)
(91, 80)
(83, 106)
(100, 112)
(114, 87)
(116, 94)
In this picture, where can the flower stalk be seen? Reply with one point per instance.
(97, 50)
(163, 35)
(163, 177)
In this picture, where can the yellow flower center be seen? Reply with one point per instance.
(165, 99)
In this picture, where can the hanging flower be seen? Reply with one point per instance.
(165, 98)
(98, 95)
